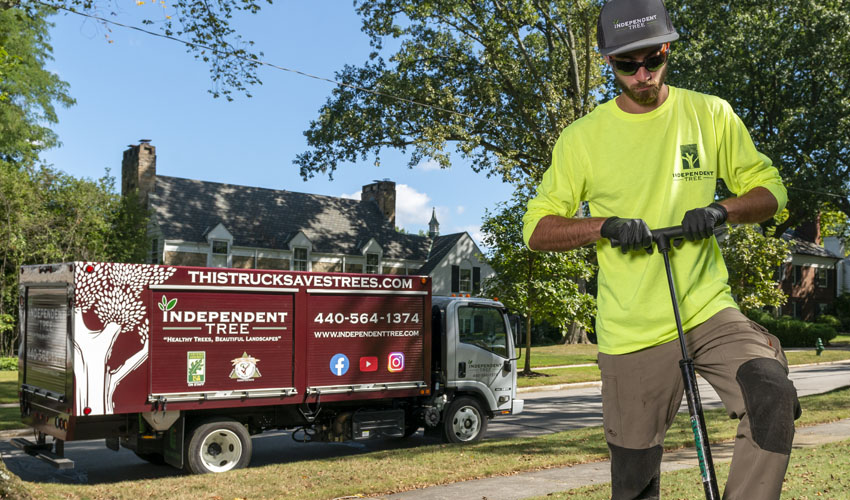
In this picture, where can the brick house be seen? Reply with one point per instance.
(199, 223)
(808, 277)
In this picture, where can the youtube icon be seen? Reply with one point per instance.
(369, 364)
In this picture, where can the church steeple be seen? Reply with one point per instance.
(433, 225)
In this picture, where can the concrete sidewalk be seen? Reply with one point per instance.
(540, 483)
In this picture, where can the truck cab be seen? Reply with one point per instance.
(477, 364)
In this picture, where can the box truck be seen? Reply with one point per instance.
(183, 364)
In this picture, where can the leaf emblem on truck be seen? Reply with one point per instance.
(167, 305)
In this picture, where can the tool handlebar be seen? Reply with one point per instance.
(663, 237)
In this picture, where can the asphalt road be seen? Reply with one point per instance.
(545, 412)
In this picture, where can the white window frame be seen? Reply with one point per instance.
(822, 277)
(372, 268)
(295, 261)
(213, 254)
(467, 288)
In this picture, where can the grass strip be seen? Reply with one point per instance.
(560, 354)
(556, 376)
(810, 356)
(8, 387)
(404, 469)
(818, 472)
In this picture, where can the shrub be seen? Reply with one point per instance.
(829, 320)
(842, 310)
(8, 364)
(792, 332)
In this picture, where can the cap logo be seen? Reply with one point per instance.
(634, 24)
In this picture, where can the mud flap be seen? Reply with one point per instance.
(173, 441)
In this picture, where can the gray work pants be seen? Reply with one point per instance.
(642, 392)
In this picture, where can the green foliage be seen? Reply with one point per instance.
(841, 306)
(828, 320)
(47, 216)
(9, 363)
(792, 332)
(501, 80)
(28, 92)
(836, 223)
(752, 261)
(539, 286)
(784, 68)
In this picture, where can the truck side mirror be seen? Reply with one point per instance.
(515, 327)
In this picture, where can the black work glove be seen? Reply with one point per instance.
(699, 223)
(630, 234)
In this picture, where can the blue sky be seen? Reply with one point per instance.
(144, 87)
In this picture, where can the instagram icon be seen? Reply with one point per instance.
(395, 362)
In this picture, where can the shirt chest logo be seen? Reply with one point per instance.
(691, 170)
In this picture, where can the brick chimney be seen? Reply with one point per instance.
(382, 193)
(138, 170)
(809, 230)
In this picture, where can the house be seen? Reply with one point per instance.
(809, 276)
(200, 223)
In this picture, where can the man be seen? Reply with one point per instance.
(649, 159)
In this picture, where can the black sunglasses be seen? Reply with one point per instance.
(651, 63)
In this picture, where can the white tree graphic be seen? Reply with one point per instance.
(114, 291)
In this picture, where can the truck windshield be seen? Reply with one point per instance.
(483, 327)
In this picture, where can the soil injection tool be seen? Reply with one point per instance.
(663, 238)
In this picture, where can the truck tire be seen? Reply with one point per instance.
(218, 445)
(464, 421)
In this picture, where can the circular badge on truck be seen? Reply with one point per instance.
(339, 364)
(245, 368)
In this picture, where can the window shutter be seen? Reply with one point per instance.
(455, 279)
(476, 279)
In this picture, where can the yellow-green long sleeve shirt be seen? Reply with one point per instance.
(653, 166)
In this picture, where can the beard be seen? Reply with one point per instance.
(646, 93)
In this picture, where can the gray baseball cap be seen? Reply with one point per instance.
(627, 25)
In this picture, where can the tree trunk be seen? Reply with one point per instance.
(576, 334)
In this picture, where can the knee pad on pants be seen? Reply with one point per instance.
(771, 403)
(635, 474)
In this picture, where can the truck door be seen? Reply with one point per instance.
(483, 347)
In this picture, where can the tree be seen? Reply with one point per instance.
(753, 260)
(784, 68)
(205, 27)
(28, 92)
(498, 79)
(836, 223)
(47, 216)
(539, 286)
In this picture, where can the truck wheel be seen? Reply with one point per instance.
(465, 421)
(218, 446)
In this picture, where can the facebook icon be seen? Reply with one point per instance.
(339, 364)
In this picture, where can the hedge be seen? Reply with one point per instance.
(792, 332)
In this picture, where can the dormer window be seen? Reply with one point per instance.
(300, 259)
(373, 263)
(219, 252)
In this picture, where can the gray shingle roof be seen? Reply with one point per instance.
(441, 247)
(805, 247)
(187, 209)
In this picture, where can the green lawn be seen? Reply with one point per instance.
(819, 472)
(8, 387)
(843, 340)
(405, 469)
(560, 354)
(556, 376)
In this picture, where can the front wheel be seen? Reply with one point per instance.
(217, 446)
(465, 421)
